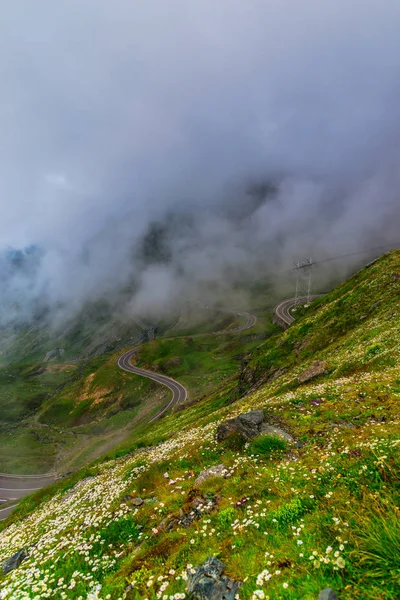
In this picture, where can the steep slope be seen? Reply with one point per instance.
(286, 518)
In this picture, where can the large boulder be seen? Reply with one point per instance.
(14, 561)
(247, 425)
(315, 370)
(208, 582)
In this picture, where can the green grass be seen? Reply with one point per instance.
(266, 445)
(322, 512)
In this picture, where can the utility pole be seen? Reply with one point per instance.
(303, 270)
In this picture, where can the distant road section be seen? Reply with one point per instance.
(14, 487)
(179, 392)
(251, 320)
(282, 311)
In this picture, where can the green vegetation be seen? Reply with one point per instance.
(267, 444)
(287, 519)
(63, 415)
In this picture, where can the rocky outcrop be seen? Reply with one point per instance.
(249, 425)
(57, 353)
(194, 509)
(217, 471)
(209, 583)
(14, 561)
(315, 370)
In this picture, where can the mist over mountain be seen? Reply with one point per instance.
(152, 151)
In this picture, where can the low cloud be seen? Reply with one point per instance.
(248, 133)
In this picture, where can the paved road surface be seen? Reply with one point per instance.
(14, 487)
(179, 392)
(282, 311)
(251, 320)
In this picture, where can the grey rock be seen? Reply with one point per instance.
(217, 471)
(247, 425)
(192, 511)
(315, 370)
(374, 306)
(14, 561)
(327, 594)
(57, 353)
(254, 417)
(209, 583)
(132, 500)
(272, 430)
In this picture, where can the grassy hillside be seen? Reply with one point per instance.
(61, 414)
(288, 519)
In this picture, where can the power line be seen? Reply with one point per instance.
(331, 258)
(354, 253)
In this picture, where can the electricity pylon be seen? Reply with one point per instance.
(303, 279)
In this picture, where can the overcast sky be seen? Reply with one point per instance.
(113, 113)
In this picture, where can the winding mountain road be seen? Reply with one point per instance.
(282, 310)
(14, 487)
(179, 392)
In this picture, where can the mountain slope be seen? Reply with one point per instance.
(287, 519)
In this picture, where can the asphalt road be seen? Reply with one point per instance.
(282, 311)
(179, 392)
(251, 320)
(14, 487)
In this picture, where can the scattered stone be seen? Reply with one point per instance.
(14, 561)
(217, 471)
(133, 500)
(196, 509)
(193, 510)
(247, 425)
(327, 594)
(374, 306)
(208, 582)
(315, 370)
(272, 430)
